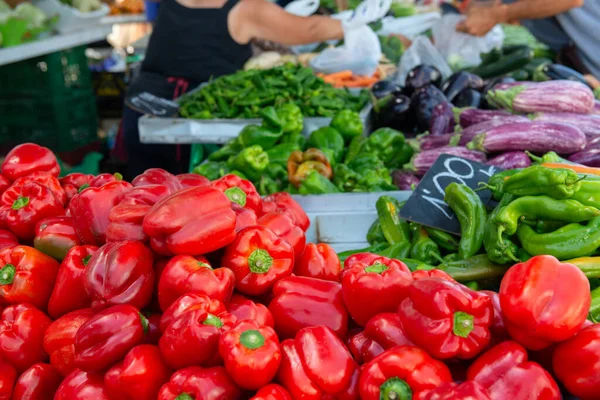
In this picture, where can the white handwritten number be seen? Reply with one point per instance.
(491, 171)
(440, 205)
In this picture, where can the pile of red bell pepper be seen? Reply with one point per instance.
(178, 288)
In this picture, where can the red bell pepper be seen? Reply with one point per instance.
(26, 276)
(193, 221)
(316, 365)
(43, 178)
(69, 293)
(244, 217)
(284, 227)
(239, 191)
(22, 334)
(157, 176)
(90, 210)
(381, 333)
(7, 239)
(26, 206)
(120, 273)
(575, 363)
(103, 179)
(561, 288)
(506, 374)
(59, 339)
(284, 203)
(319, 261)
(107, 337)
(4, 184)
(272, 392)
(258, 258)
(139, 376)
(8, 377)
(38, 383)
(80, 385)
(373, 287)
(454, 391)
(28, 158)
(193, 339)
(54, 236)
(498, 329)
(154, 332)
(73, 183)
(127, 217)
(188, 303)
(402, 372)
(446, 319)
(243, 308)
(200, 384)
(192, 180)
(431, 273)
(187, 274)
(300, 302)
(251, 354)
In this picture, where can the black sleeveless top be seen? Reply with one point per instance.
(193, 44)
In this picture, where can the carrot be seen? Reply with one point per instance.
(580, 169)
(341, 75)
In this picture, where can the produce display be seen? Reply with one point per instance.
(245, 93)
(22, 24)
(179, 287)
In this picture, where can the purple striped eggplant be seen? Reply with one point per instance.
(442, 119)
(537, 137)
(589, 124)
(550, 96)
(405, 180)
(589, 157)
(422, 161)
(596, 109)
(468, 134)
(592, 143)
(511, 160)
(473, 116)
(428, 142)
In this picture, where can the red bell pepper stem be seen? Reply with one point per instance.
(395, 389)
(236, 195)
(260, 261)
(252, 339)
(213, 320)
(20, 202)
(7, 274)
(463, 324)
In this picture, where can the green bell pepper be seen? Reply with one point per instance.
(328, 138)
(267, 185)
(295, 138)
(355, 148)
(281, 153)
(375, 180)
(375, 233)
(271, 119)
(315, 183)
(212, 170)
(365, 162)
(265, 137)
(348, 123)
(345, 178)
(386, 143)
(291, 118)
(252, 161)
(225, 151)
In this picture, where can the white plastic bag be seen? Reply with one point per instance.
(422, 51)
(410, 27)
(360, 53)
(460, 49)
(303, 8)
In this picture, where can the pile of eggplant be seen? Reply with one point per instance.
(498, 121)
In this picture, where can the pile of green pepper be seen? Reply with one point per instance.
(276, 156)
(245, 93)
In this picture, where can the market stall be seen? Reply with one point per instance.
(420, 222)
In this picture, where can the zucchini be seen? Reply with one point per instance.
(491, 57)
(394, 229)
(520, 75)
(533, 64)
(506, 50)
(506, 64)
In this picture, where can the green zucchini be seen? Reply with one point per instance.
(520, 75)
(506, 64)
(533, 64)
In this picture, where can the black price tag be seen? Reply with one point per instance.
(147, 103)
(426, 205)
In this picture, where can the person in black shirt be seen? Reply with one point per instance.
(194, 40)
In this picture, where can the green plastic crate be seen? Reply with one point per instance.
(62, 122)
(51, 74)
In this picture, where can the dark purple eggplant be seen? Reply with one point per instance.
(422, 75)
(460, 81)
(442, 119)
(511, 160)
(422, 161)
(397, 114)
(383, 88)
(468, 98)
(405, 180)
(589, 157)
(423, 101)
(429, 142)
(472, 116)
(537, 137)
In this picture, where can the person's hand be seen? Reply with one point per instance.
(303, 8)
(481, 18)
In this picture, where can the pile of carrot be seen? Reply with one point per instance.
(348, 79)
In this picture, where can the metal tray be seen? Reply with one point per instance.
(218, 131)
(342, 220)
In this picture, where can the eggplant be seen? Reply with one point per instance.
(422, 161)
(590, 157)
(589, 124)
(511, 160)
(468, 134)
(460, 81)
(596, 109)
(429, 142)
(550, 96)
(537, 137)
(592, 143)
(423, 101)
(405, 180)
(442, 119)
(397, 114)
(383, 88)
(491, 83)
(472, 116)
(422, 75)
(468, 98)
(557, 72)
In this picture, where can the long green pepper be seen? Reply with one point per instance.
(470, 211)
(499, 248)
(537, 180)
(423, 248)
